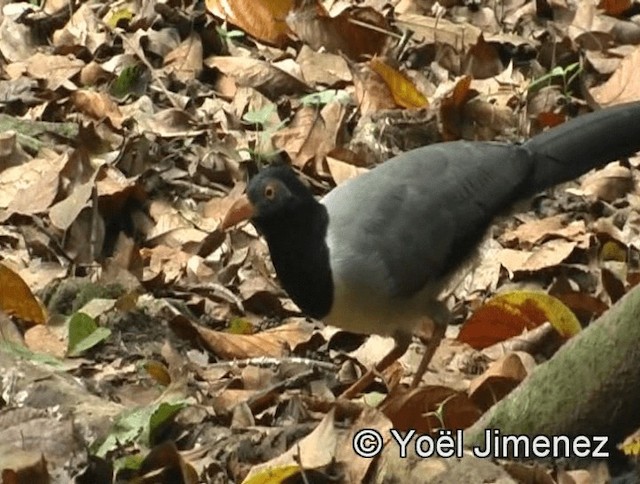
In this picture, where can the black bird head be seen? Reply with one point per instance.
(274, 196)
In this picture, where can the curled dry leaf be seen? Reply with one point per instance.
(501, 377)
(534, 232)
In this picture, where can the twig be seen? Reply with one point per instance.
(266, 361)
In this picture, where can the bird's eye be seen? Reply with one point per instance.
(269, 192)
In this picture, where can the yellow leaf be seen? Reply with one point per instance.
(273, 475)
(402, 89)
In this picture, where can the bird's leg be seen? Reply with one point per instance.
(402, 341)
(441, 317)
(430, 348)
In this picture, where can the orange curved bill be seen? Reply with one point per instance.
(241, 211)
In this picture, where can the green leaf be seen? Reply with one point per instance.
(229, 34)
(26, 354)
(161, 416)
(260, 116)
(139, 424)
(118, 15)
(129, 462)
(325, 97)
(84, 333)
(128, 82)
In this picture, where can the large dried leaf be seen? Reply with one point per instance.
(272, 342)
(508, 315)
(354, 33)
(264, 19)
(623, 86)
(260, 75)
(17, 299)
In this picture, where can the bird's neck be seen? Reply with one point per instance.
(297, 243)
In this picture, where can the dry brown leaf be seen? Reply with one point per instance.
(260, 75)
(42, 339)
(347, 33)
(547, 255)
(614, 7)
(263, 19)
(613, 182)
(164, 261)
(82, 29)
(623, 86)
(274, 342)
(341, 171)
(98, 105)
(172, 122)
(530, 233)
(439, 30)
(323, 68)
(312, 133)
(185, 61)
(65, 212)
(356, 468)
(54, 70)
(536, 231)
(452, 106)
(33, 186)
(482, 60)
(9, 331)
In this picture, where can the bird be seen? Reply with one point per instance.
(373, 255)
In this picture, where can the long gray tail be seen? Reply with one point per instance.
(589, 141)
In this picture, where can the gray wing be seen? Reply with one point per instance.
(425, 211)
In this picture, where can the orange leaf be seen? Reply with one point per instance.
(17, 299)
(508, 315)
(614, 7)
(451, 108)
